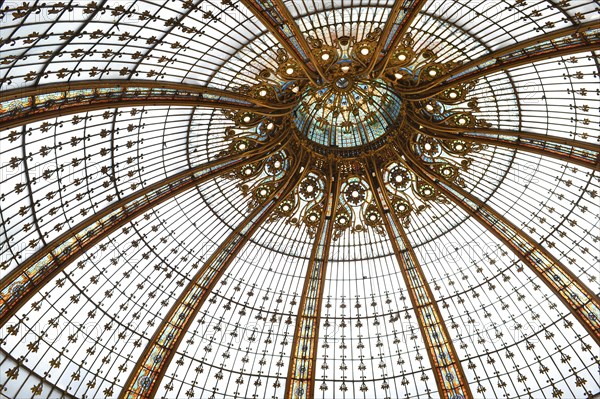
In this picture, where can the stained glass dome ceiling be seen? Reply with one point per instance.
(350, 199)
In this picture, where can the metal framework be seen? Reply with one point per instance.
(135, 86)
(44, 102)
(449, 375)
(18, 286)
(569, 150)
(301, 372)
(278, 20)
(399, 21)
(370, 120)
(145, 378)
(559, 43)
(579, 298)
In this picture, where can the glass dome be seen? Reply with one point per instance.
(347, 113)
(277, 199)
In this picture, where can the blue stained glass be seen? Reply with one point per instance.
(347, 116)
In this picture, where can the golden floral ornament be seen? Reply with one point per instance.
(344, 135)
(351, 122)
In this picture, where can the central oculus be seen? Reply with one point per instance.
(347, 113)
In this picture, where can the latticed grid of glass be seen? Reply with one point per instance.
(83, 332)
(344, 128)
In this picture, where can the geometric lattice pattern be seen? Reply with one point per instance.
(269, 199)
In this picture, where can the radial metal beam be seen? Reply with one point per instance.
(275, 16)
(576, 296)
(26, 105)
(139, 86)
(144, 380)
(19, 285)
(449, 374)
(300, 382)
(562, 42)
(561, 148)
(399, 20)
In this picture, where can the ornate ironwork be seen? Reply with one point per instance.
(579, 299)
(301, 372)
(562, 42)
(352, 115)
(22, 283)
(150, 368)
(450, 377)
(23, 106)
(398, 23)
(339, 130)
(573, 151)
